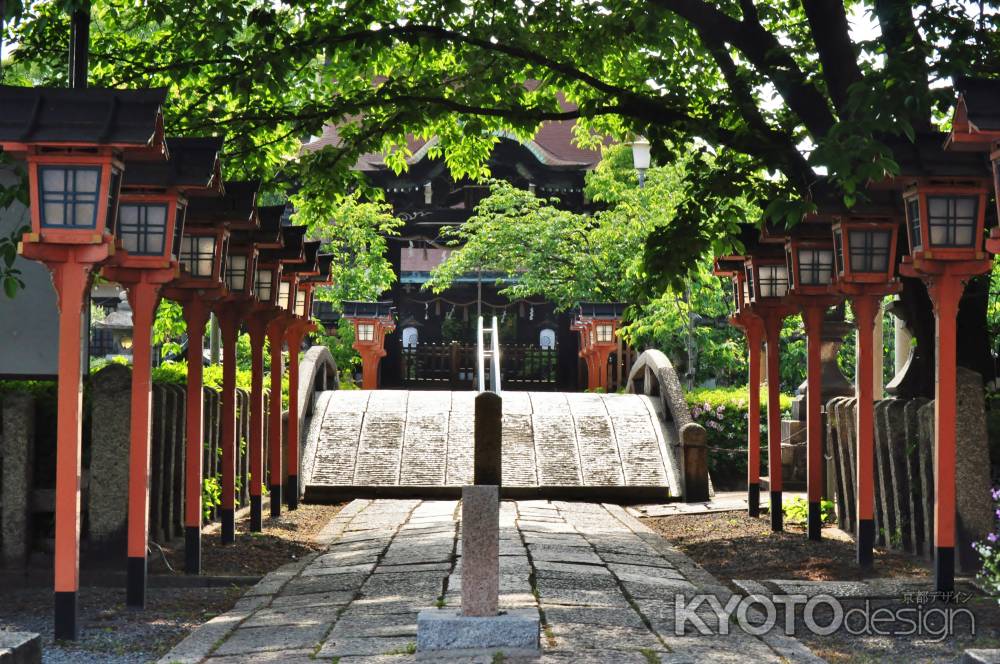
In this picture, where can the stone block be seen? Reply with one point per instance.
(918, 514)
(850, 442)
(20, 648)
(110, 422)
(891, 427)
(480, 549)
(981, 656)
(925, 452)
(513, 632)
(833, 450)
(885, 516)
(972, 470)
(17, 450)
(158, 426)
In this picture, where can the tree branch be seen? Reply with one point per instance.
(837, 53)
(904, 48)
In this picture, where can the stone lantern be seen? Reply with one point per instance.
(372, 321)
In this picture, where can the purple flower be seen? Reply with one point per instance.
(992, 537)
(996, 494)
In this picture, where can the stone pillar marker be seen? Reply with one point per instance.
(480, 627)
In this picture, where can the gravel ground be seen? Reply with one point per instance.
(732, 545)
(113, 634)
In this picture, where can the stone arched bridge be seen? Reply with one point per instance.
(419, 443)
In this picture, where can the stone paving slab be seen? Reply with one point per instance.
(605, 587)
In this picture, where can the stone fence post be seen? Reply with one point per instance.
(695, 453)
(110, 422)
(17, 450)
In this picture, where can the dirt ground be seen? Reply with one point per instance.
(111, 633)
(732, 545)
(283, 540)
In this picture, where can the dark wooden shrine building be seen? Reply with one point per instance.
(434, 341)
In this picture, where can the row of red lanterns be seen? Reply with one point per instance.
(852, 255)
(110, 193)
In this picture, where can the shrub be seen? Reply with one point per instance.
(989, 552)
(796, 511)
(723, 413)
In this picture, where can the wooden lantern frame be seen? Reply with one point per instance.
(917, 198)
(753, 265)
(843, 229)
(175, 204)
(793, 254)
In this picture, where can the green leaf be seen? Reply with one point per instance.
(10, 286)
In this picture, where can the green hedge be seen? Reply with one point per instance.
(723, 413)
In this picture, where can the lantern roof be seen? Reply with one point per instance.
(601, 309)
(193, 164)
(269, 235)
(237, 205)
(926, 157)
(352, 309)
(977, 110)
(728, 266)
(325, 262)
(310, 265)
(291, 251)
(97, 116)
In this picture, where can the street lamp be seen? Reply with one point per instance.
(75, 143)
(640, 158)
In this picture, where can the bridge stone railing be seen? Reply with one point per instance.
(652, 374)
(317, 374)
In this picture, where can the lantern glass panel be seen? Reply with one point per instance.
(198, 255)
(951, 220)
(869, 250)
(142, 228)
(735, 286)
(815, 267)
(366, 332)
(236, 272)
(838, 251)
(605, 333)
(300, 303)
(913, 223)
(265, 277)
(773, 280)
(283, 290)
(69, 196)
(175, 248)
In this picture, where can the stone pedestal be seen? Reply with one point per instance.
(17, 450)
(513, 633)
(20, 648)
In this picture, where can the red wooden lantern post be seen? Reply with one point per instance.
(865, 256)
(237, 209)
(74, 142)
(372, 321)
(257, 313)
(291, 254)
(298, 309)
(151, 214)
(202, 256)
(752, 326)
(597, 322)
(767, 285)
(810, 264)
(944, 222)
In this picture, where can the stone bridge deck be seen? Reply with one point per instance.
(412, 443)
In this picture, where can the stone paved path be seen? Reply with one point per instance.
(603, 583)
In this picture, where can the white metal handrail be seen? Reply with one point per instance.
(493, 354)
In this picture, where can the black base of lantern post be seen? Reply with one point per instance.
(292, 488)
(228, 518)
(866, 542)
(753, 500)
(944, 569)
(815, 522)
(135, 582)
(275, 491)
(255, 514)
(777, 516)
(66, 627)
(192, 550)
